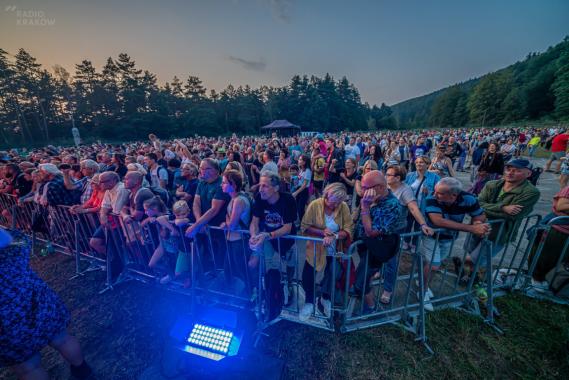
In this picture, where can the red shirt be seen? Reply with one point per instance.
(559, 143)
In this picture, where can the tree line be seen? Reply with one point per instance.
(122, 101)
(533, 89)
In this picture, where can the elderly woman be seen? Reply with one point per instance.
(32, 316)
(327, 218)
(93, 204)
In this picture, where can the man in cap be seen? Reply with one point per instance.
(511, 198)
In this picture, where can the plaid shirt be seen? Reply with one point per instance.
(83, 185)
(57, 194)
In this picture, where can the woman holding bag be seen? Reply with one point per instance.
(327, 218)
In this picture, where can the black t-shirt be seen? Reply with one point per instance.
(274, 216)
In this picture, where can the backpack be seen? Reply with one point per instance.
(163, 194)
(535, 173)
(559, 281)
(149, 175)
(274, 294)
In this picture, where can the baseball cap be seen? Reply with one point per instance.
(520, 163)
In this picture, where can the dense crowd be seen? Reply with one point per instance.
(370, 187)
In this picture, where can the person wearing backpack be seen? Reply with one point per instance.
(157, 175)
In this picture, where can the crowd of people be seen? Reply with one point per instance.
(338, 187)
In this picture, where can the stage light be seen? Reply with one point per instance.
(212, 338)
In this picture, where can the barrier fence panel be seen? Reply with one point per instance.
(512, 261)
(548, 261)
(348, 291)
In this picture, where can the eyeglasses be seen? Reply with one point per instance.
(204, 169)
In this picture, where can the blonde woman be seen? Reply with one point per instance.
(327, 218)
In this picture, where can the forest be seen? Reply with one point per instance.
(121, 101)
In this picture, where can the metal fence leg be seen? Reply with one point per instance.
(489, 284)
(421, 322)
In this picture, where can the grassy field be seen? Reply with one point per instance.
(122, 333)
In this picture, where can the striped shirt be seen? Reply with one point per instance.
(465, 203)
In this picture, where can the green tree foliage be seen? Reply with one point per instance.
(561, 88)
(122, 101)
(531, 89)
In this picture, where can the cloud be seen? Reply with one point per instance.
(259, 65)
(281, 9)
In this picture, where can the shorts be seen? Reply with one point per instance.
(99, 233)
(556, 155)
(441, 252)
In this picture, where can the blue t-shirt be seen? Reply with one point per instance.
(208, 192)
(466, 203)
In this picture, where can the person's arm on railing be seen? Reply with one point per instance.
(479, 229)
(216, 206)
(414, 210)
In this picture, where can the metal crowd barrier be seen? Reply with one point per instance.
(211, 268)
(548, 258)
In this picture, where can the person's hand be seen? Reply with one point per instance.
(191, 232)
(512, 209)
(181, 221)
(427, 230)
(328, 241)
(328, 232)
(368, 198)
(481, 229)
(128, 220)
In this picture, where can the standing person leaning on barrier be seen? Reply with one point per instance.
(88, 169)
(56, 193)
(93, 204)
(209, 207)
(115, 198)
(511, 198)
(238, 217)
(327, 218)
(274, 214)
(32, 316)
(446, 209)
(395, 177)
(133, 181)
(377, 227)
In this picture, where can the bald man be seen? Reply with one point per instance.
(138, 194)
(376, 226)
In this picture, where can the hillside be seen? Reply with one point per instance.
(535, 88)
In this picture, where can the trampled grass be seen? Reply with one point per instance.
(122, 333)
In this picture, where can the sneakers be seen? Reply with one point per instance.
(324, 306)
(427, 299)
(306, 311)
(540, 286)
